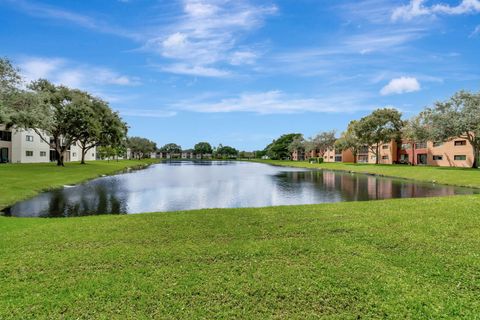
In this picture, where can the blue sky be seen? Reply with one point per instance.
(242, 72)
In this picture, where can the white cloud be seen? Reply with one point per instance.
(45, 11)
(417, 8)
(401, 85)
(193, 70)
(475, 32)
(277, 102)
(208, 33)
(71, 74)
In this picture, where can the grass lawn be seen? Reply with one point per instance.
(21, 181)
(466, 177)
(404, 258)
(413, 258)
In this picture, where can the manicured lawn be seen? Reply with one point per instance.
(443, 175)
(415, 258)
(20, 181)
(408, 258)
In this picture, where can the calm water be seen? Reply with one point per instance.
(195, 185)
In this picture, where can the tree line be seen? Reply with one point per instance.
(202, 149)
(457, 117)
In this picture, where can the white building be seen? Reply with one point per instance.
(26, 146)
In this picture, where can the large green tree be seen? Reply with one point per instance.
(203, 148)
(52, 114)
(97, 125)
(381, 126)
(141, 147)
(459, 116)
(226, 152)
(322, 142)
(297, 145)
(278, 149)
(171, 148)
(10, 81)
(349, 140)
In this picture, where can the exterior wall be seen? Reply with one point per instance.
(445, 153)
(20, 147)
(27, 141)
(298, 156)
(6, 144)
(334, 156)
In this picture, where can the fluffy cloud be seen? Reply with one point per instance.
(207, 34)
(418, 8)
(277, 102)
(68, 73)
(400, 85)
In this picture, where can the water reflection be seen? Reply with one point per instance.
(180, 185)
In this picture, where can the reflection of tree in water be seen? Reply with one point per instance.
(101, 198)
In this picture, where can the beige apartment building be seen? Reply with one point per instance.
(26, 146)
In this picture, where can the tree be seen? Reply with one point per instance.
(457, 117)
(413, 131)
(203, 148)
(322, 142)
(51, 113)
(297, 145)
(349, 141)
(226, 152)
(141, 147)
(10, 81)
(97, 125)
(278, 149)
(382, 125)
(171, 148)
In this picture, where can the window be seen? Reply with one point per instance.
(421, 145)
(405, 146)
(385, 158)
(29, 138)
(74, 154)
(436, 158)
(460, 157)
(29, 153)
(437, 144)
(384, 147)
(460, 143)
(5, 136)
(338, 159)
(363, 150)
(43, 153)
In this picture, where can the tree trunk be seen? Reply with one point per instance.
(354, 157)
(413, 153)
(376, 156)
(476, 152)
(59, 158)
(83, 156)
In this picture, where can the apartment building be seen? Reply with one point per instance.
(26, 146)
(333, 155)
(454, 153)
(457, 152)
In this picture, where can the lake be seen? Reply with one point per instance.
(186, 185)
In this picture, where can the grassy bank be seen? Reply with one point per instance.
(415, 258)
(21, 181)
(443, 175)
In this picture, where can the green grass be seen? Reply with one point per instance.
(21, 181)
(466, 177)
(404, 258)
(414, 258)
